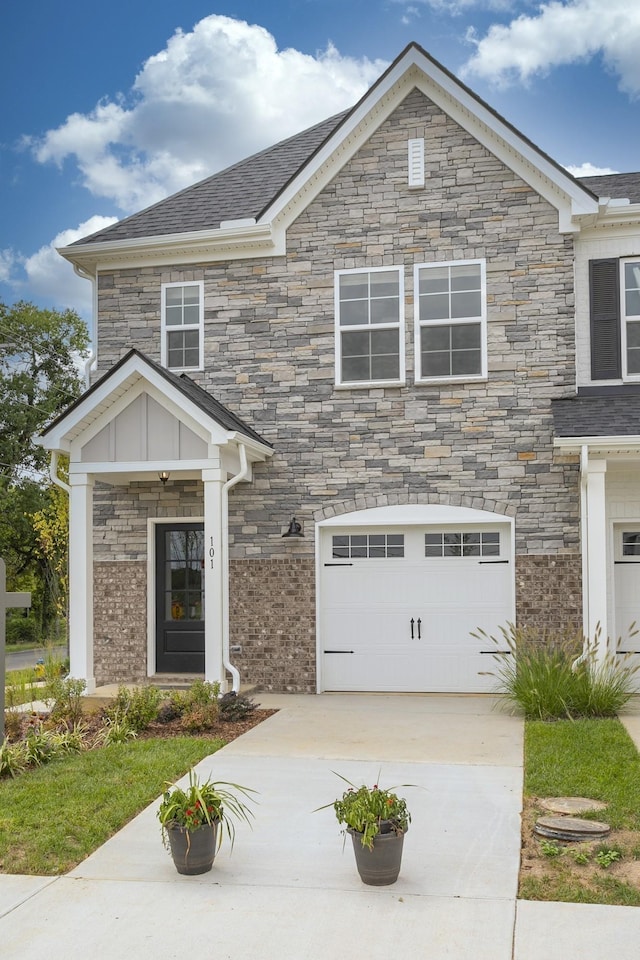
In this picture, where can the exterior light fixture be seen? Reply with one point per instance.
(295, 529)
(164, 476)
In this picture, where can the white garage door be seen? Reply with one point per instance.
(398, 606)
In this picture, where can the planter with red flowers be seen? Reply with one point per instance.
(377, 820)
(194, 820)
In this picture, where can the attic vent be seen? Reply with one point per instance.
(416, 163)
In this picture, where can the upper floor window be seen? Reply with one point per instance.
(369, 326)
(631, 318)
(614, 302)
(451, 321)
(182, 325)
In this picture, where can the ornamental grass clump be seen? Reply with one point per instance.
(369, 811)
(559, 676)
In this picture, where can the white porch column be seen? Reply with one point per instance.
(213, 481)
(81, 579)
(596, 551)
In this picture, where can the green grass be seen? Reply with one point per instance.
(584, 758)
(54, 816)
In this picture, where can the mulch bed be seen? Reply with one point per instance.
(94, 722)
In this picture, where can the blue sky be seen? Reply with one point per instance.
(107, 108)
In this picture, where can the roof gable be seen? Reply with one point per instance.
(106, 399)
(246, 209)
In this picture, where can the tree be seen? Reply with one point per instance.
(41, 353)
(40, 356)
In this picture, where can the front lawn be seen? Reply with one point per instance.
(582, 758)
(54, 816)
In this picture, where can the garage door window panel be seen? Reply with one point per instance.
(367, 546)
(462, 544)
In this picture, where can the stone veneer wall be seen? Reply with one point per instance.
(269, 356)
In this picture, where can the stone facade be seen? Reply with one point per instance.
(269, 356)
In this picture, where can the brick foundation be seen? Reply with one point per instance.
(120, 621)
(549, 592)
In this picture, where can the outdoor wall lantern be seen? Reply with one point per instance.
(164, 476)
(295, 529)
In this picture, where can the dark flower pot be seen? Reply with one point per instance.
(193, 851)
(381, 865)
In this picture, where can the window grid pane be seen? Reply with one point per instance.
(369, 546)
(631, 544)
(462, 544)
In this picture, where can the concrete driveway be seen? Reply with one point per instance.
(290, 891)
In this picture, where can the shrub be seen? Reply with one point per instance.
(559, 676)
(39, 745)
(117, 729)
(139, 706)
(200, 717)
(235, 707)
(201, 693)
(22, 629)
(66, 696)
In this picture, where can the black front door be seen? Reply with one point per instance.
(180, 598)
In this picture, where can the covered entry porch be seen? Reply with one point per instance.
(138, 429)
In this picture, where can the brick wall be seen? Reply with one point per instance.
(120, 622)
(549, 592)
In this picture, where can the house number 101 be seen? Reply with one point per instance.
(211, 553)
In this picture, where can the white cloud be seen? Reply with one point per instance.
(47, 277)
(562, 33)
(7, 264)
(211, 97)
(589, 170)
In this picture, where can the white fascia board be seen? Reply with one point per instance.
(602, 445)
(414, 514)
(414, 70)
(255, 449)
(142, 467)
(199, 246)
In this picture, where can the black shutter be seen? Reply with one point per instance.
(604, 293)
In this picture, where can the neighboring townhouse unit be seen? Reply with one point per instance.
(357, 396)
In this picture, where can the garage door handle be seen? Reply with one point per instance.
(412, 625)
(419, 631)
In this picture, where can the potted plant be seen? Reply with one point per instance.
(377, 820)
(193, 821)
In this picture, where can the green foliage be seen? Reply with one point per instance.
(54, 816)
(12, 759)
(22, 629)
(585, 758)
(581, 856)
(39, 745)
(551, 849)
(66, 694)
(38, 377)
(235, 706)
(117, 729)
(137, 705)
(364, 810)
(206, 802)
(605, 856)
(200, 717)
(202, 693)
(557, 676)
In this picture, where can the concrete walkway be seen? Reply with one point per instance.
(290, 891)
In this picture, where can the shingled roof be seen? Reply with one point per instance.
(241, 191)
(597, 416)
(618, 186)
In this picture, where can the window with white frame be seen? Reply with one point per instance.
(182, 325)
(451, 317)
(369, 326)
(631, 318)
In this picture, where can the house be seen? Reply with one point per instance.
(357, 396)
